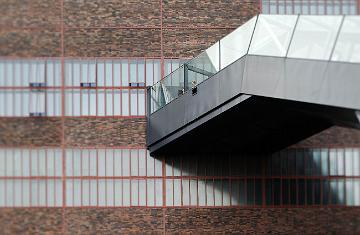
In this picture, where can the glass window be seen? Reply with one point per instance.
(269, 192)
(297, 6)
(314, 37)
(250, 189)
(236, 44)
(301, 191)
(285, 183)
(356, 184)
(348, 43)
(272, 35)
(309, 192)
(265, 6)
(313, 7)
(349, 192)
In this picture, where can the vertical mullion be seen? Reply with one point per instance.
(130, 178)
(55, 181)
(154, 184)
(30, 90)
(317, 7)
(72, 90)
(321, 179)
(344, 175)
(97, 177)
(113, 180)
(81, 177)
(137, 90)
(325, 7)
(47, 176)
(38, 174)
(305, 179)
(263, 182)
(197, 182)
(22, 177)
(30, 174)
(13, 174)
(22, 93)
(153, 72)
(73, 177)
(113, 90)
(14, 91)
(173, 182)
(138, 170)
(164, 181)
(206, 204)
(129, 90)
(122, 181)
(341, 7)
(46, 87)
(89, 181)
(181, 180)
(54, 90)
(121, 90)
(213, 191)
(105, 93)
(146, 179)
(106, 176)
(96, 96)
(245, 181)
(81, 90)
(89, 91)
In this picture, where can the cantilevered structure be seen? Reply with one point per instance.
(281, 77)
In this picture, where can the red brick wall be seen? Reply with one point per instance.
(80, 132)
(15, 132)
(106, 131)
(181, 221)
(209, 13)
(333, 137)
(30, 28)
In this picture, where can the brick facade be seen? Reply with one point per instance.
(79, 132)
(210, 13)
(181, 221)
(29, 43)
(112, 42)
(30, 13)
(107, 132)
(333, 137)
(190, 42)
(111, 13)
(16, 132)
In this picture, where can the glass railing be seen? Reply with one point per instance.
(205, 65)
(333, 38)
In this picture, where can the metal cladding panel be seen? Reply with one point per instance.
(263, 76)
(312, 81)
(160, 124)
(206, 98)
(342, 85)
(303, 80)
(231, 80)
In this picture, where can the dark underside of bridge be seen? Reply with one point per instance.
(258, 125)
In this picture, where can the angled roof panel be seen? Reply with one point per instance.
(347, 47)
(272, 35)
